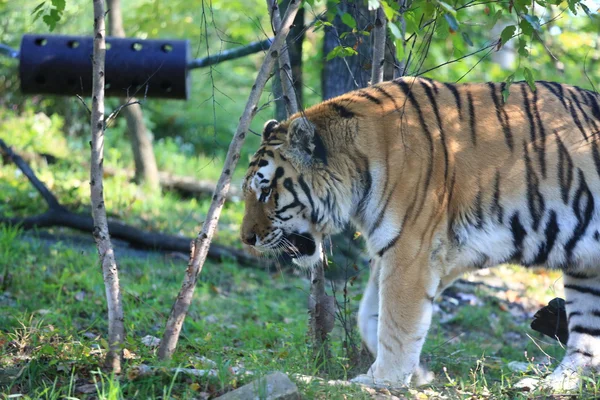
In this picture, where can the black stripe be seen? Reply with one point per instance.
(518, 233)
(385, 93)
(379, 219)
(392, 242)
(454, 91)
(314, 217)
(577, 275)
(582, 352)
(287, 183)
(557, 90)
(362, 163)
(596, 313)
(528, 112)
(575, 118)
(496, 206)
(478, 207)
(574, 314)
(341, 110)
(501, 114)
(436, 111)
(541, 148)
(432, 82)
(368, 96)
(535, 200)
(585, 330)
(320, 151)
(584, 216)
(413, 101)
(472, 119)
(583, 289)
(593, 99)
(564, 169)
(551, 232)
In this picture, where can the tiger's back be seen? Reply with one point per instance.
(441, 179)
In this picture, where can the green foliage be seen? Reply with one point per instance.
(50, 14)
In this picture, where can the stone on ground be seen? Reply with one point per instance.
(275, 386)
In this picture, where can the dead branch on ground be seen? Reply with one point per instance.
(202, 242)
(59, 215)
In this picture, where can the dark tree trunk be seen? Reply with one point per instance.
(341, 75)
(294, 43)
(146, 171)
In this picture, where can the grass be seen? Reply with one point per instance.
(53, 314)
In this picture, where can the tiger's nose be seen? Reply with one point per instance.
(249, 239)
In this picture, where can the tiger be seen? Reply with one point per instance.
(440, 179)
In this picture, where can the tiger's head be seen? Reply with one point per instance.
(284, 211)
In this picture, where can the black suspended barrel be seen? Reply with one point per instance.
(62, 65)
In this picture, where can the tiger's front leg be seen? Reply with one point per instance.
(407, 287)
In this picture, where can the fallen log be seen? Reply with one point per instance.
(58, 215)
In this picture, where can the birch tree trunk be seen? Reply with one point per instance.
(116, 331)
(146, 171)
(199, 248)
(379, 39)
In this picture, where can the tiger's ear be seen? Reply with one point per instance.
(300, 141)
(268, 129)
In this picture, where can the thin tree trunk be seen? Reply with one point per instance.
(294, 46)
(284, 67)
(379, 39)
(116, 331)
(146, 171)
(199, 248)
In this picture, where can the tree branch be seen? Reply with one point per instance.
(28, 172)
(202, 242)
(285, 67)
(116, 330)
(232, 54)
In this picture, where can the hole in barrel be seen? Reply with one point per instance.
(167, 48)
(108, 45)
(73, 44)
(137, 46)
(41, 41)
(166, 86)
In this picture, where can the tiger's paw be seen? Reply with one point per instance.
(369, 380)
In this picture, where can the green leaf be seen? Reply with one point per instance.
(506, 91)
(495, 17)
(341, 51)
(349, 20)
(388, 10)
(412, 25)
(533, 21)
(526, 28)
(451, 21)
(529, 78)
(396, 32)
(38, 7)
(59, 4)
(507, 34)
(586, 10)
(467, 39)
(522, 48)
(447, 7)
(49, 21)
